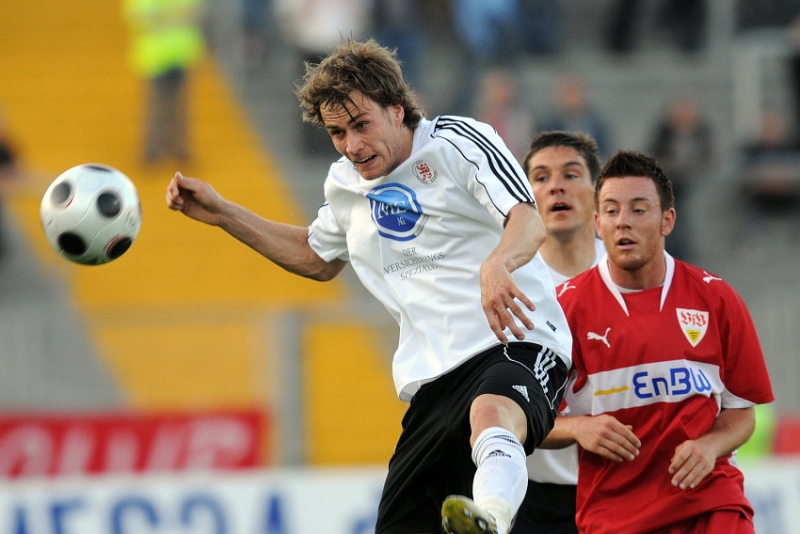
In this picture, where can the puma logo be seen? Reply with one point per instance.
(564, 288)
(708, 278)
(597, 337)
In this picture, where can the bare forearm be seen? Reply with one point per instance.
(731, 429)
(695, 459)
(523, 235)
(283, 244)
(562, 435)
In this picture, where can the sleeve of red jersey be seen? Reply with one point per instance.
(746, 375)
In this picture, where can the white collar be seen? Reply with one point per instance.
(605, 274)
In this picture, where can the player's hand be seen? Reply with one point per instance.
(692, 462)
(195, 198)
(501, 298)
(606, 436)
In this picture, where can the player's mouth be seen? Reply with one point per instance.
(625, 243)
(363, 162)
(560, 206)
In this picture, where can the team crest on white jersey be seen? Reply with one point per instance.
(425, 172)
(693, 323)
(396, 212)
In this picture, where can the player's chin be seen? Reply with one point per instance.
(629, 261)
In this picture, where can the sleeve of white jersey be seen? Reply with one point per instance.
(495, 178)
(326, 237)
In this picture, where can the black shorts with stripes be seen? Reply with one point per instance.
(433, 458)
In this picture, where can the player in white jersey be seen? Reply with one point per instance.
(440, 224)
(666, 372)
(562, 168)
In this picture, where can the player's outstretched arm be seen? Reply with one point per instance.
(694, 459)
(523, 235)
(601, 434)
(285, 245)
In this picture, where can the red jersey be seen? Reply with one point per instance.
(665, 361)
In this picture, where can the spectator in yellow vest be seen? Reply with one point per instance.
(166, 42)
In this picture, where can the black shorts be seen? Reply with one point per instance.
(433, 458)
(547, 509)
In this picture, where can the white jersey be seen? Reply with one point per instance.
(417, 237)
(559, 466)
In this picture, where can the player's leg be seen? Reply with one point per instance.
(515, 403)
(431, 459)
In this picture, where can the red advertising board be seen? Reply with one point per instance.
(79, 444)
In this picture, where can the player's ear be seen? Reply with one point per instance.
(668, 221)
(398, 113)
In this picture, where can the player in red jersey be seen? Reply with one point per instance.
(667, 371)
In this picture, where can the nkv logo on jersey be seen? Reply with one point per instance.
(396, 212)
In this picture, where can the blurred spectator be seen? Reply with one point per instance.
(9, 171)
(683, 145)
(312, 28)
(400, 24)
(542, 25)
(769, 174)
(765, 13)
(499, 105)
(499, 33)
(684, 20)
(257, 32)
(573, 112)
(166, 42)
(623, 26)
(488, 30)
(793, 33)
(488, 35)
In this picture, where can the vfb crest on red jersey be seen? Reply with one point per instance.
(693, 323)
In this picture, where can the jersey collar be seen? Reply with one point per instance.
(605, 274)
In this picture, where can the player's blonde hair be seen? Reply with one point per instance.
(357, 66)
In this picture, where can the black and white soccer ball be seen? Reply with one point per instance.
(91, 214)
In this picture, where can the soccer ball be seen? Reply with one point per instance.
(91, 214)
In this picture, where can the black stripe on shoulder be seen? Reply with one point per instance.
(501, 166)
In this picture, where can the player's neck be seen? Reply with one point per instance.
(570, 255)
(650, 275)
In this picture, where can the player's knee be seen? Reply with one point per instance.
(497, 411)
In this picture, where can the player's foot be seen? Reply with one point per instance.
(461, 515)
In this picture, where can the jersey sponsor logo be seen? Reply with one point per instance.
(591, 336)
(693, 324)
(425, 172)
(396, 212)
(708, 278)
(564, 288)
(641, 385)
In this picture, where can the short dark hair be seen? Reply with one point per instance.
(365, 66)
(632, 163)
(583, 143)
